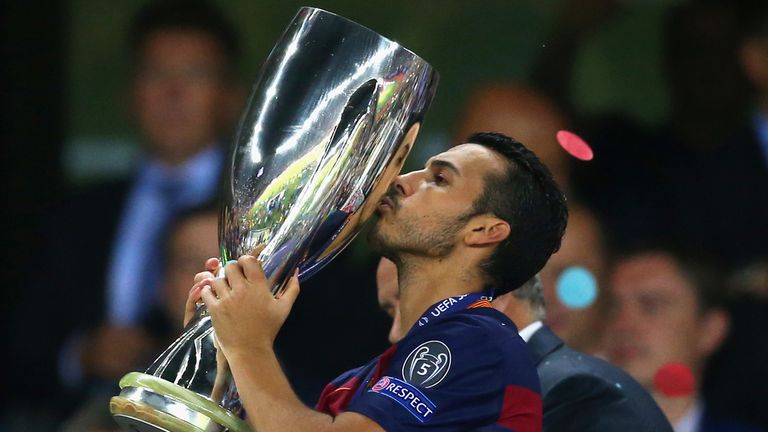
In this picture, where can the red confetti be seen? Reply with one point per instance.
(574, 145)
(674, 380)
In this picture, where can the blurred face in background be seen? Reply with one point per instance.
(192, 241)
(581, 246)
(656, 318)
(181, 97)
(389, 296)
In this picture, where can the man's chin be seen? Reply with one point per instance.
(379, 243)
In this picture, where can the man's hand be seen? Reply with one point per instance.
(244, 312)
(201, 279)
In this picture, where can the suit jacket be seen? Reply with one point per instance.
(717, 424)
(583, 393)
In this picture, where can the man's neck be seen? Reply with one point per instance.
(425, 281)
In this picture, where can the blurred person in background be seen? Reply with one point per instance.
(668, 310)
(183, 99)
(388, 295)
(734, 390)
(192, 238)
(580, 392)
(580, 325)
(716, 191)
(648, 182)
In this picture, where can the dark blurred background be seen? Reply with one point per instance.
(660, 88)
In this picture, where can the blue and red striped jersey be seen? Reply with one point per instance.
(462, 367)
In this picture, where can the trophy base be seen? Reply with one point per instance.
(137, 425)
(150, 404)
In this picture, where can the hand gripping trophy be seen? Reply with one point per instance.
(332, 116)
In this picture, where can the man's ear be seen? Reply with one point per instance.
(714, 329)
(486, 230)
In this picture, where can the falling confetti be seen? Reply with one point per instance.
(674, 380)
(577, 288)
(574, 145)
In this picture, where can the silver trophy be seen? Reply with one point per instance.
(331, 119)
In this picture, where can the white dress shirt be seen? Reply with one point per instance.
(529, 330)
(691, 422)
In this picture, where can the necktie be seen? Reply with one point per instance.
(137, 270)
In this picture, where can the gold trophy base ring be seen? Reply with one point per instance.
(150, 404)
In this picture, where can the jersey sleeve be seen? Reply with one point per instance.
(460, 374)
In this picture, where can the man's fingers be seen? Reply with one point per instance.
(212, 264)
(221, 287)
(291, 292)
(233, 276)
(252, 269)
(194, 296)
(209, 298)
(203, 275)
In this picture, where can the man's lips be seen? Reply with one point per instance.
(386, 202)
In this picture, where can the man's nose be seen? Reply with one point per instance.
(623, 320)
(404, 184)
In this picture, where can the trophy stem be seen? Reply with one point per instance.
(151, 404)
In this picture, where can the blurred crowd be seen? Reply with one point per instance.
(663, 267)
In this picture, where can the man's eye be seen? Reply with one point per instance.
(439, 179)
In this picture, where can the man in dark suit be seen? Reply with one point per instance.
(183, 99)
(581, 392)
(668, 308)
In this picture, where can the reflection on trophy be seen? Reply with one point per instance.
(333, 115)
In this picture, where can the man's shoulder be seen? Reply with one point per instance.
(465, 370)
(481, 339)
(483, 328)
(572, 381)
(567, 365)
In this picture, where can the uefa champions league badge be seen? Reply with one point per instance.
(428, 364)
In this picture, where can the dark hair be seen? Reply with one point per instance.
(532, 293)
(526, 197)
(187, 15)
(706, 275)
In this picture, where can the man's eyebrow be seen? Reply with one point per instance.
(443, 164)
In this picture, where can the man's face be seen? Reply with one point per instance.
(389, 296)
(655, 318)
(426, 211)
(180, 97)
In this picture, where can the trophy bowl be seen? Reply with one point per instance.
(333, 114)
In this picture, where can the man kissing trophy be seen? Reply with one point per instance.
(333, 114)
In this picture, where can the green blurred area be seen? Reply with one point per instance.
(469, 42)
